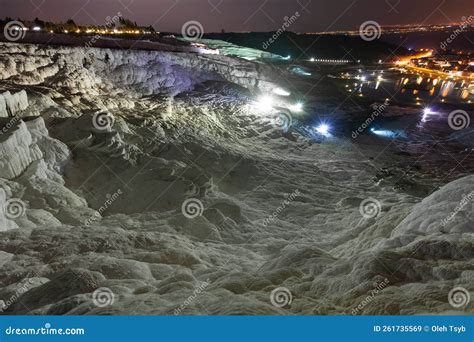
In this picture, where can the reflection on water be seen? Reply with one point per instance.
(409, 87)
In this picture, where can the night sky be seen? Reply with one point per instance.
(244, 15)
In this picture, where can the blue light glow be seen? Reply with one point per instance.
(323, 129)
(384, 133)
(427, 112)
(300, 71)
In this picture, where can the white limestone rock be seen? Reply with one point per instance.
(13, 104)
(17, 151)
(448, 210)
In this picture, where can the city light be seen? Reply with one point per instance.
(331, 61)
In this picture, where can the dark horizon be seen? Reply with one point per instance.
(245, 15)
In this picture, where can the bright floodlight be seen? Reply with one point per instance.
(265, 103)
(322, 129)
(427, 111)
(297, 107)
(281, 92)
(383, 133)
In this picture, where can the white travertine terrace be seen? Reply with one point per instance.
(182, 130)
